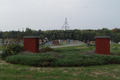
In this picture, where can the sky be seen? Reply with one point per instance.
(51, 14)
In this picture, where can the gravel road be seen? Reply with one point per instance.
(65, 45)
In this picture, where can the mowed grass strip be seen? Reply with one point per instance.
(21, 72)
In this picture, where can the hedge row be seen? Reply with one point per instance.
(31, 59)
(66, 61)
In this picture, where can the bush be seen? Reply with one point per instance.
(18, 48)
(68, 60)
(31, 59)
(45, 49)
(11, 49)
(65, 50)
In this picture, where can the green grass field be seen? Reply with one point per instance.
(21, 72)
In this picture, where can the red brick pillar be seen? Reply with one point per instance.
(31, 43)
(103, 45)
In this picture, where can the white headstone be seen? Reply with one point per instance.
(118, 42)
(60, 41)
(49, 43)
(71, 41)
(67, 41)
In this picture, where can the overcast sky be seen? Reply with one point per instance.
(51, 14)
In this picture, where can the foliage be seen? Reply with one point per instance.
(45, 49)
(32, 59)
(116, 37)
(103, 72)
(1, 48)
(76, 34)
(11, 49)
(66, 60)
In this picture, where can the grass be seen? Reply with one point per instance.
(80, 48)
(21, 72)
(114, 49)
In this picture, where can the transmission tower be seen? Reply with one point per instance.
(65, 26)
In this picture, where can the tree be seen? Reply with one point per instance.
(28, 32)
(116, 38)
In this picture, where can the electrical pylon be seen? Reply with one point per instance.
(65, 26)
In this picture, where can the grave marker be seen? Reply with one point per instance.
(55, 42)
(0, 41)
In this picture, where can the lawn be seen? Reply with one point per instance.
(21, 72)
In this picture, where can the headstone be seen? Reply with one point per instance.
(0, 41)
(60, 41)
(77, 41)
(67, 41)
(40, 41)
(92, 42)
(7, 42)
(21, 42)
(64, 41)
(55, 42)
(118, 42)
(71, 41)
(49, 43)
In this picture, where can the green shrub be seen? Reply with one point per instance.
(65, 50)
(18, 48)
(11, 49)
(68, 60)
(31, 59)
(45, 49)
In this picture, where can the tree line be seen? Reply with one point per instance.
(75, 34)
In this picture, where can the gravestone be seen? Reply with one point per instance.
(71, 41)
(77, 41)
(68, 41)
(55, 42)
(21, 42)
(60, 41)
(74, 41)
(0, 41)
(118, 42)
(49, 43)
(64, 41)
(40, 41)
